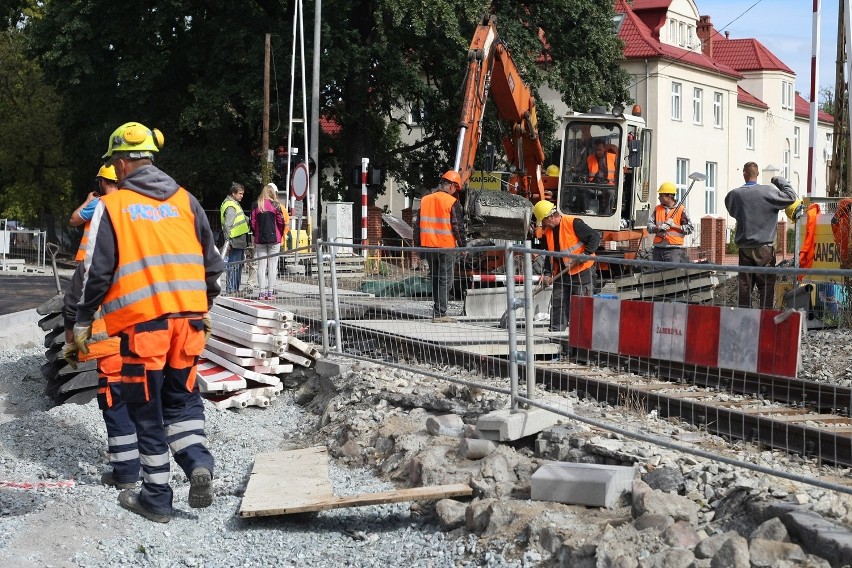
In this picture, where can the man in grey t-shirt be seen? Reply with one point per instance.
(756, 207)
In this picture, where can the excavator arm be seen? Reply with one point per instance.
(491, 71)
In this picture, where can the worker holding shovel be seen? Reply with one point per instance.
(564, 233)
(670, 224)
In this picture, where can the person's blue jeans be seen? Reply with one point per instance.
(235, 271)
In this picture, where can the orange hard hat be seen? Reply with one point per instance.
(453, 177)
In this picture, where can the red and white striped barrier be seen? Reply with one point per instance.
(741, 339)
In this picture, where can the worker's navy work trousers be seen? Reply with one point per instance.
(121, 432)
(158, 384)
(564, 288)
(441, 276)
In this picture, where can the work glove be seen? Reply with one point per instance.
(208, 327)
(82, 332)
(664, 227)
(70, 354)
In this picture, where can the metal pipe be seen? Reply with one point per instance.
(338, 336)
(529, 316)
(322, 300)
(512, 327)
(457, 161)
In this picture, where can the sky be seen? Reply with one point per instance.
(785, 28)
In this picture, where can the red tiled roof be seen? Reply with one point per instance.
(746, 55)
(803, 110)
(650, 4)
(639, 43)
(746, 98)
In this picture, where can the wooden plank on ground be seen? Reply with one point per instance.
(297, 481)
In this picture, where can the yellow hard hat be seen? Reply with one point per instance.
(791, 209)
(552, 170)
(667, 187)
(107, 172)
(543, 209)
(136, 140)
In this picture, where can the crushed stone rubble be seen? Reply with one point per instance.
(375, 421)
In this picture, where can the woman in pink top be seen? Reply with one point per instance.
(267, 224)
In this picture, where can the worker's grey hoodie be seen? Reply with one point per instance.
(102, 259)
(756, 207)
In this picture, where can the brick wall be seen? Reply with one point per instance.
(712, 239)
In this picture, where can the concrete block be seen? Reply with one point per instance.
(445, 425)
(581, 483)
(328, 368)
(476, 449)
(505, 425)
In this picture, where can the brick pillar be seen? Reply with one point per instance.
(374, 225)
(781, 239)
(713, 242)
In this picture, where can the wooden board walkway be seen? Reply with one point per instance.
(297, 481)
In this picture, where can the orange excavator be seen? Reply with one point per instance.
(609, 192)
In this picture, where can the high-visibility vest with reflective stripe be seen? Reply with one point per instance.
(160, 261)
(436, 230)
(568, 242)
(81, 250)
(674, 238)
(240, 226)
(592, 163)
(101, 345)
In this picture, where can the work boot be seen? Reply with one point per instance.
(108, 478)
(200, 488)
(130, 501)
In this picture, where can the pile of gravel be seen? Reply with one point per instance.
(83, 525)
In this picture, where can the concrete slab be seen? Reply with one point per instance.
(505, 425)
(491, 302)
(581, 483)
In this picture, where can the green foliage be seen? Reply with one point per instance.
(194, 69)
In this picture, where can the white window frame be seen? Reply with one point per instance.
(673, 31)
(681, 33)
(785, 160)
(689, 36)
(787, 101)
(718, 109)
(797, 140)
(697, 105)
(681, 176)
(677, 90)
(750, 132)
(710, 170)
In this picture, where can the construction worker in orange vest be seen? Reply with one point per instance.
(569, 276)
(440, 226)
(152, 267)
(669, 225)
(121, 432)
(601, 164)
(107, 183)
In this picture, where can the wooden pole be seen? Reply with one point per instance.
(838, 111)
(264, 142)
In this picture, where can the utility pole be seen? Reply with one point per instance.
(316, 215)
(264, 141)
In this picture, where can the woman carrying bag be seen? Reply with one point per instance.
(267, 224)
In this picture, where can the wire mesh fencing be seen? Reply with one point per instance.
(672, 344)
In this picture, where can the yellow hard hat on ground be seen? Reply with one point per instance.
(543, 209)
(135, 141)
(107, 172)
(667, 187)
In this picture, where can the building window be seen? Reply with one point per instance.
(785, 160)
(750, 132)
(787, 95)
(681, 34)
(710, 189)
(689, 36)
(717, 110)
(697, 104)
(681, 179)
(797, 136)
(676, 101)
(673, 31)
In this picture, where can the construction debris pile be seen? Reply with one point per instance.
(253, 344)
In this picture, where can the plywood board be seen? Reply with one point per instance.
(297, 481)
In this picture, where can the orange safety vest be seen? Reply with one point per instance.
(568, 242)
(81, 250)
(160, 261)
(436, 230)
(673, 238)
(808, 250)
(592, 163)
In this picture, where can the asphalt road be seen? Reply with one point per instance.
(19, 293)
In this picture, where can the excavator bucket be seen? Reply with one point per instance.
(498, 215)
